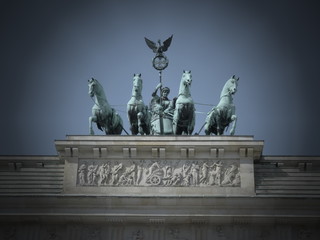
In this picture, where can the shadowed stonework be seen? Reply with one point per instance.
(159, 188)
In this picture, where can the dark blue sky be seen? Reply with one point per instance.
(50, 48)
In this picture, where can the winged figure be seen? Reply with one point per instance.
(159, 48)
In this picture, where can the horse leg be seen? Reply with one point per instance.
(147, 118)
(176, 116)
(233, 128)
(206, 128)
(208, 125)
(133, 119)
(140, 123)
(92, 119)
(218, 121)
(191, 122)
(114, 126)
(118, 124)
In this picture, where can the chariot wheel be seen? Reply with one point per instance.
(155, 180)
(160, 62)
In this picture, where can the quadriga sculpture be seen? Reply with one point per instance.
(138, 114)
(106, 118)
(184, 113)
(223, 114)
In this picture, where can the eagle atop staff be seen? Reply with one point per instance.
(159, 48)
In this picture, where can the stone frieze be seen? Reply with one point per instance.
(162, 173)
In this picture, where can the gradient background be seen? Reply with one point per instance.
(50, 48)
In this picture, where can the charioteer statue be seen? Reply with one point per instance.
(161, 109)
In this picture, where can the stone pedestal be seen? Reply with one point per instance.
(159, 165)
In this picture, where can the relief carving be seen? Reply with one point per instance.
(137, 235)
(173, 173)
(174, 234)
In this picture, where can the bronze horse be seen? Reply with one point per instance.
(138, 114)
(184, 113)
(223, 114)
(106, 118)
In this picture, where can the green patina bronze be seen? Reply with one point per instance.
(219, 118)
(160, 61)
(162, 112)
(161, 107)
(184, 112)
(106, 118)
(163, 116)
(138, 114)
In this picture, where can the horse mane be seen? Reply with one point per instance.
(224, 90)
(102, 95)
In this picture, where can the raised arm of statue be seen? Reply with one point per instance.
(156, 89)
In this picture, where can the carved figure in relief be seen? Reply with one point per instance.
(91, 177)
(139, 174)
(103, 173)
(186, 175)
(82, 174)
(204, 173)
(115, 173)
(230, 174)
(185, 170)
(167, 178)
(195, 174)
(215, 174)
(129, 176)
(176, 179)
(236, 180)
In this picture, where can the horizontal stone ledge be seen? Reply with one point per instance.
(162, 218)
(127, 196)
(25, 202)
(158, 143)
(159, 138)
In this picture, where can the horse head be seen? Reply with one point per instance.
(92, 83)
(185, 83)
(230, 87)
(186, 78)
(137, 85)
